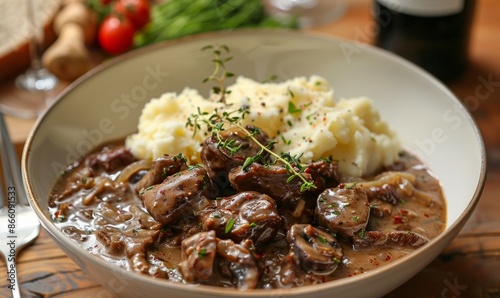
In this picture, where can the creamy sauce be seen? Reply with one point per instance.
(94, 211)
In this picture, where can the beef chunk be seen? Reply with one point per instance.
(143, 219)
(275, 181)
(134, 244)
(219, 160)
(394, 188)
(162, 167)
(390, 238)
(178, 196)
(270, 180)
(198, 254)
(109, 159)
(111, 214)
(324, 174)
(203, 254)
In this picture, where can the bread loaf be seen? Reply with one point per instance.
(16, 32)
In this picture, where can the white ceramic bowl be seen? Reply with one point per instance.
(105, 105)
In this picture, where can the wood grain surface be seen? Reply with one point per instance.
(469, 266)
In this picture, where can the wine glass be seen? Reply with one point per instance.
(309, 13)
(36, 78)
(27, 95)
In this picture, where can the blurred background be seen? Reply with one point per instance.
(70, 37)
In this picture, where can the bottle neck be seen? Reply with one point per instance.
(425, 8)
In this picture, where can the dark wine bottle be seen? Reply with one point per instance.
(431, 33)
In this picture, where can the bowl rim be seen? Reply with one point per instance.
(55, 233)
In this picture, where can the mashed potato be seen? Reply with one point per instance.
(300, 114)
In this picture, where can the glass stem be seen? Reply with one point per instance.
(37, 36)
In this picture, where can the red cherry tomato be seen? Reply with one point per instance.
(116, 34)
(136, 11)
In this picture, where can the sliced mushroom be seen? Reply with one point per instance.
(291, 274)
(246, 215)
(241, 262)
(317, 251)
(198, 254)
(343, 210)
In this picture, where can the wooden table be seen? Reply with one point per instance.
(469, 267)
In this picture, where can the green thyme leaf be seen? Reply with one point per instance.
(247, 163)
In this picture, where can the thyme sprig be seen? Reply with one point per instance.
(216, 124)
(220, 72)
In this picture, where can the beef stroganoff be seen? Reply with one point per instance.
(261, 185)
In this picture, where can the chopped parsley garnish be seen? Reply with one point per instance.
(322, 239)
(197, 166)
(351, 185)
(270, 78)
(285, 141)
(292, 109)
(59, 218)
(202, 252)
(146, 189)
(229, 225)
